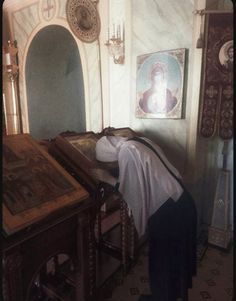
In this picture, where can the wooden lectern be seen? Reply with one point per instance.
(47, 216)
(115, 233)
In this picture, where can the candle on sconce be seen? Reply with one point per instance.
(8, 59)
(108, 34)
(123, 31)
(119, 36)
(115, 43)
(117, 32)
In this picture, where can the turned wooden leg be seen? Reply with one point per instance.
(123, 212)
(132, 233)
(12, 277)
(86, 267)
(98, 227)
(92, 259)
(99, 201)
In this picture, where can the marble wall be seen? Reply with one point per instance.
(160, 25)
(150, 27)
(110, 89)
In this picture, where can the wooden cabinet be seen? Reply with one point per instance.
(43, 224)
(59, 241)
(25, 258)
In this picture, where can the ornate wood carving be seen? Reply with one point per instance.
(124, 238)
(209, 113)
(217, 95)
(35, 185)
(226, 112)
(132, 237)
(86, 273)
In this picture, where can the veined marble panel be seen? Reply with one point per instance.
(156, 26)
(24, 22)
(120, 100)
(116, 11)
(94, 83)
(118, 74)
(62, 9)
(161, 25)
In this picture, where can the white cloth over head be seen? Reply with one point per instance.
(145, 183)
(107, 148)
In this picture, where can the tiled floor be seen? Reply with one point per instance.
(214, 280)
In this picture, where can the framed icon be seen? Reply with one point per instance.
(226, 55)
(83, 19)
(160, 84)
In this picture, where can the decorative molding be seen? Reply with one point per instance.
(48, 9)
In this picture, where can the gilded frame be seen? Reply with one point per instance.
(160, 84)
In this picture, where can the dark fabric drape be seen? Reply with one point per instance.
(217, 79)
(172, 231)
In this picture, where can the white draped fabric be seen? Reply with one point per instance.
(145, 183)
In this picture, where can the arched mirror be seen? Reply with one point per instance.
(54, 81)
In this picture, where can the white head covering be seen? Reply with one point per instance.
(107, 148)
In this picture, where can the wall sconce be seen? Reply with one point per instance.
(11, 102)
(10, 65)
(116, 44)
(200, 40)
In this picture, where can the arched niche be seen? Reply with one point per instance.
(54, 84)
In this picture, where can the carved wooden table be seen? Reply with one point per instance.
(76, 153)
(26, 254)
(38, 234)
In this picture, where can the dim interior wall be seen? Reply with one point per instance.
(26, 19)
(171, 25)
(209, 159)
(53, 69)
(150, 26)
(210, 163)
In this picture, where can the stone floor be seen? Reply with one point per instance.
(214, 280)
